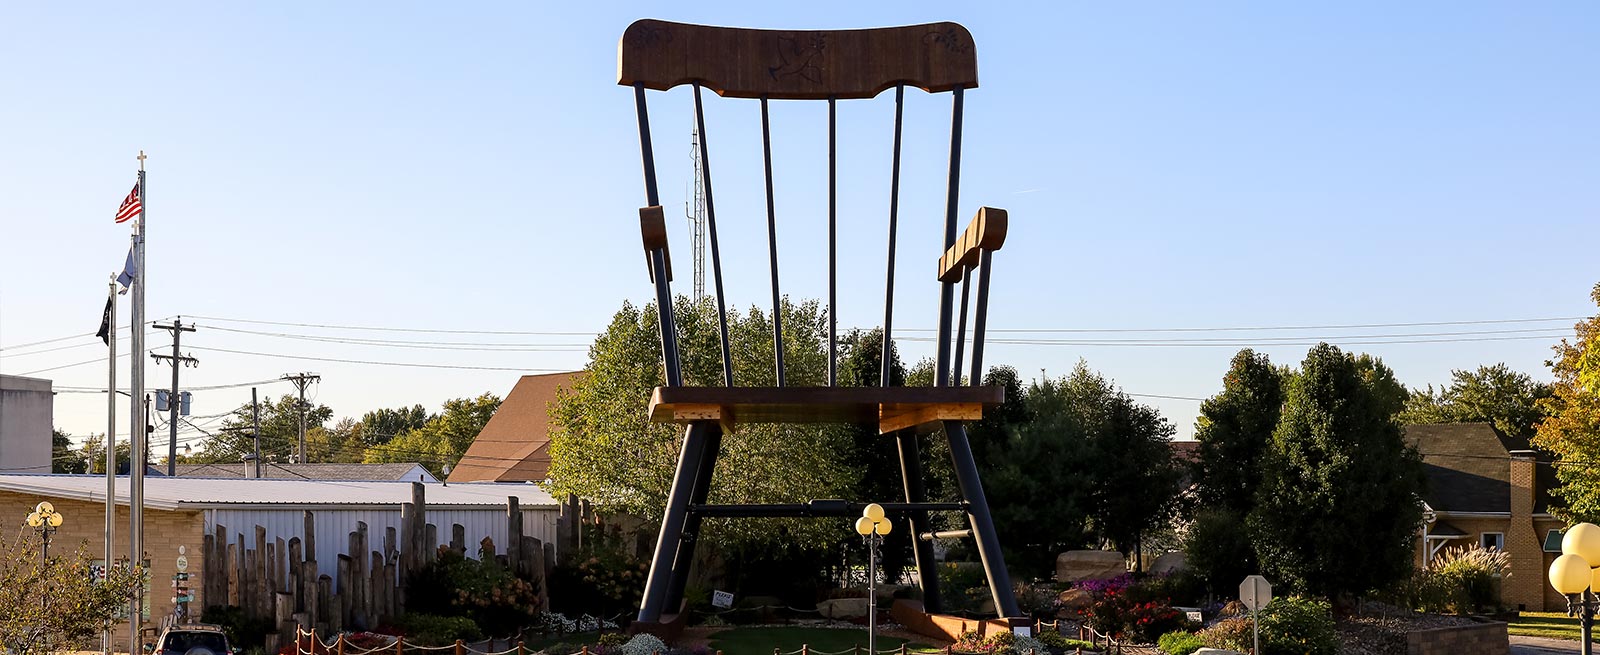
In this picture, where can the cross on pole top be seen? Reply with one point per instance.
(141, 160)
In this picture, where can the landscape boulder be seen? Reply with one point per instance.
(1169, 563)
(1075, 565)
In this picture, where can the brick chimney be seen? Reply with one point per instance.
(1523, 589)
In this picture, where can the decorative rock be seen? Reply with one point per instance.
(1075, 565)
(1169, 563)
(1073, 600)
(843, 608)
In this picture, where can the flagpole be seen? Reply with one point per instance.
(137, 434)
(111, 433)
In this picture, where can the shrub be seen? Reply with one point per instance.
(1036, 600)
(962, 588)
(1023, 645)
(1228, 634)
(603, 580)
(1461, 581)
(1298, 626)
(1180, 643)
(1116, 613)
(433, 630)
(644, 643)
(611, 640)
(483, 592)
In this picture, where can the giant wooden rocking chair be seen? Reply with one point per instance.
(817, 65)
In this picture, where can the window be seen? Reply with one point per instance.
(1495, 540)
(1552, 541)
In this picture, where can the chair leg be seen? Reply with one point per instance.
(674, 520)
(922, 551)
(691, 531)
(994, 562)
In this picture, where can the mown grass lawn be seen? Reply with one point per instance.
(761, 641)
(1556, 625)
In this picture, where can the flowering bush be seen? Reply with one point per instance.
(1099, 587)
(1118, 613)
(484, 592)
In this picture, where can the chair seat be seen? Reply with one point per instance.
(892, 408)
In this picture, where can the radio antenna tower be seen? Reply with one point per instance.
(695, 209)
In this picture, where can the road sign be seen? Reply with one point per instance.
(1255, 592)
(180, 576)
(183, 599)
(183, 563)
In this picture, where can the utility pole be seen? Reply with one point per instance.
(301, 381)
(255, 420)
(177, 328)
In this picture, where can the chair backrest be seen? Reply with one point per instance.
(828, 65)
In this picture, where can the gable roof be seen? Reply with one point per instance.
(1468, 468)
(514, 445)
(310, 471)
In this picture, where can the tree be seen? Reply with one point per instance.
(379, 426)
(280, 431)
(93, 453)
(1511, 400)
(443, 439)
(1235, 432)
(604, 448)
(1340, 497)
(1038, 512)
(1572, 429)
(342, 442)
(1132, 475)
(63, 458)
(50, 607)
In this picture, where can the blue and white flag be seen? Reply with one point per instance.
(129, 271)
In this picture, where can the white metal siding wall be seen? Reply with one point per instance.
(334, 526)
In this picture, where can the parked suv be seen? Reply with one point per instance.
(193, 639)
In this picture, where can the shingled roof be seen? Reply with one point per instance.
(311, 471)
(1469, 469)
(514, 445)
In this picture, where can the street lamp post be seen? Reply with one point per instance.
(45, 519)
(872, 526)
(1573, 575)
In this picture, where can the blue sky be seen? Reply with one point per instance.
(475, 167)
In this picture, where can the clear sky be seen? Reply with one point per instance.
(473, 166)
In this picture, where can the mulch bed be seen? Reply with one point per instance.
(1381, 629)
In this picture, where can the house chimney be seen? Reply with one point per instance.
(1524, 486)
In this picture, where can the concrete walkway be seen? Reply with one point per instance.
(1521, 645)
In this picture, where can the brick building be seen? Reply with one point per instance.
(1486, 489)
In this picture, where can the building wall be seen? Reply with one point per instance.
(27, 414)
(83, 523)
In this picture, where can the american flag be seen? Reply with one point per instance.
(130, 205)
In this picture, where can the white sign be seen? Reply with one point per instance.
(1255, 592)
(722, 599)
(183, 563)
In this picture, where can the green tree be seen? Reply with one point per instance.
(280, 431)
(378, 426)
(1038, 512)
(49, 607)
(1235, 432)
(93, 453)
(342, 442)
(1133, 476)
(1572, 429)
(1340, 497)
(1509, 399)
(604, 448)
(63, 457)
(443, 439)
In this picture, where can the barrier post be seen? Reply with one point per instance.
(399, 646)
(338, 644)
(522, 649)
(314, 641)
(461, 648)
(805, 649)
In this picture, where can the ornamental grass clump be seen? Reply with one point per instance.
(1461, 580)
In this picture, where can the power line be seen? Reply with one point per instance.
(395, 329)
(1347, 326)
(428, 345)
(1237, 344)
(375, 363)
